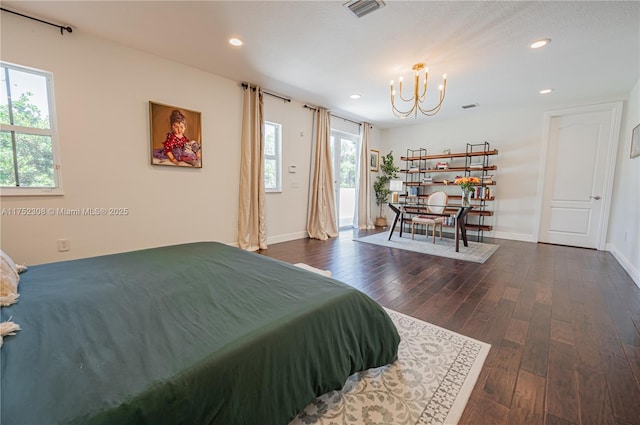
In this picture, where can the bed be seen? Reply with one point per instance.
(200, 333)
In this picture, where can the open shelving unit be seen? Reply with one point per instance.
(425, 174)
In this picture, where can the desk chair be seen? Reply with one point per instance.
(436, 204)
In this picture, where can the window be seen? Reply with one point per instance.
(272, 157)
(28, 142)
(344, 150)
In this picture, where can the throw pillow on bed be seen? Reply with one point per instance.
(9, 279)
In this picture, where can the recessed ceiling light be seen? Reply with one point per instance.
(546, 91)
(355, 96)
(540, 43)
(235, 42)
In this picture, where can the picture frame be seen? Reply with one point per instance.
(635, 142)
(179, 146)
(374, 160)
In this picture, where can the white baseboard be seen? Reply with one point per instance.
(625, 263)
(512, 236)
(287, 237)
(279, 238)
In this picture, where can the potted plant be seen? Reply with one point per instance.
(388, 171)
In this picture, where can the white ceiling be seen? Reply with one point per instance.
(318, 53)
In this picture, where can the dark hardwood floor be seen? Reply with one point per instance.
(563, 323)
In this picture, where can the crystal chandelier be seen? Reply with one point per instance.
(418, 97)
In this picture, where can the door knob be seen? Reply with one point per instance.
(597, 198)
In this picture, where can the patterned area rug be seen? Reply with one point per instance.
(476, 252)
(430, 382)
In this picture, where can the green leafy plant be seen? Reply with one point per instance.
(34, 152)
(387, 172)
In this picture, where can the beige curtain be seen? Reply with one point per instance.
(364, 186)
(252, 234)
(321, 219)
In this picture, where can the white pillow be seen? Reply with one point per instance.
(8, 292)
(9, 279)
(8, 262)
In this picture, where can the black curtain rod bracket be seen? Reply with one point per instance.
(62, 27)
(315, 108)
(247, 85)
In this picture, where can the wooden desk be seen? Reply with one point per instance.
(460, 229)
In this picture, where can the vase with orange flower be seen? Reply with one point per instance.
(466, 185)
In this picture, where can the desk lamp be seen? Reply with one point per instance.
(395, 186)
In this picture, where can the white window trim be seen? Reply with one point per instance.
(278, 158)
(52, 132)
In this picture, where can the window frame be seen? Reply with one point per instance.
(277, 157)
(51, 132)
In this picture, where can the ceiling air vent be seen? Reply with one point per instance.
(363, 7)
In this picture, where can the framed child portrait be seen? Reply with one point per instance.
(176, 136)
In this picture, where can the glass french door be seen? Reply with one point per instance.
(344, 152)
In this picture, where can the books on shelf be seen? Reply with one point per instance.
(450, 220)
(481, 192)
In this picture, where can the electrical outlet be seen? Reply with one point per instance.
(63, 245)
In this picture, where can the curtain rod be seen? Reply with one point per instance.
(315, 108)
(246, 86)
(62, 27)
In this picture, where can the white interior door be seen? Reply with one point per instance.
(581, 149)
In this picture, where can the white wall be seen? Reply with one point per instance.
(102, 92)
(623, 238)
(517, 136)
(286, 211)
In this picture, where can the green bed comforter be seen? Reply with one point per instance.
(190, 334)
